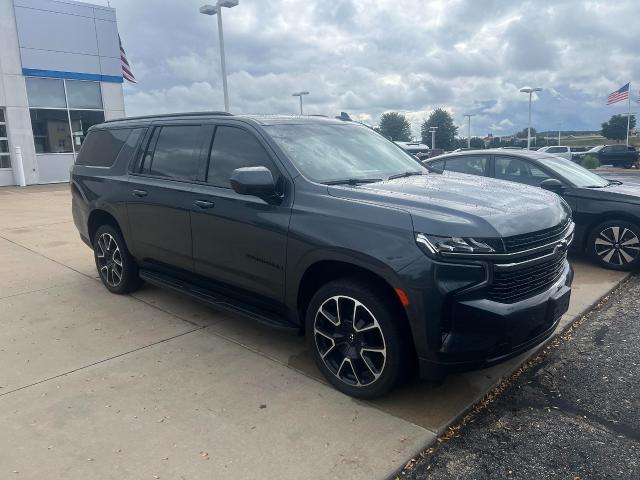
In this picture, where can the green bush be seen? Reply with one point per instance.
(590, 162)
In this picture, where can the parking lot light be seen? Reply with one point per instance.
(530, 91)
(433, 136)
(300, 94)
(468, 117)
(213, 10)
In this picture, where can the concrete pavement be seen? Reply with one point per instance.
(157, 385)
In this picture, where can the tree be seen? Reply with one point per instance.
(445, 133)
(616, 127)
(523, 133)
(395, 126)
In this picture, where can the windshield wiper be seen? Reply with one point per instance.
(404, 174)
(614, 182)
(352, 181)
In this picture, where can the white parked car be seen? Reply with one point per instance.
(559, 151)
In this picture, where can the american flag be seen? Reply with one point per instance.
(126, 68)
(619, 95)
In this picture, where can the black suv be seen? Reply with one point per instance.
(325, 227)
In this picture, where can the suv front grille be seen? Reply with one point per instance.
(513, 285)
(535, 239)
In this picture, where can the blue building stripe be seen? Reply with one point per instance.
(34, 72)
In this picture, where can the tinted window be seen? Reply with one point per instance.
(557, 150)
(83, 94)
(46, 92)
(81, 120)
(101, 147)
(50, 130)
(439, 164)
(471, 165)
(235, 148)
(517, 170)
(176, 152)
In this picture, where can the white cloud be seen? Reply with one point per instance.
(367, 57)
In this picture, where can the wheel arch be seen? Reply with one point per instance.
(321, 272)
(606, 217)
(99, 217)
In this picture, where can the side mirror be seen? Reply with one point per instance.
(256, 181)
(553, 185)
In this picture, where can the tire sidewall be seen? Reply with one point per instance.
(591, 250)
(129, 271)
(395, 359)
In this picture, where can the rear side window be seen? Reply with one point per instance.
(235, 148)
(472, 165)
(176, 153)
(101, 147)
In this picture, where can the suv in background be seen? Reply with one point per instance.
(325, 227)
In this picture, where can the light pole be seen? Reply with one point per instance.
(213, 10)
(300, 94)
(559, 127)
(433, 136)
(530, 91)
(468, 116)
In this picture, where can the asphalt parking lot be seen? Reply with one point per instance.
(154, 385)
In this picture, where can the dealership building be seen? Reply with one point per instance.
(60, 73)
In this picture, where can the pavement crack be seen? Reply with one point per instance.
(104, 360)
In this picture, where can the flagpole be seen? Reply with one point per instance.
(629, 112)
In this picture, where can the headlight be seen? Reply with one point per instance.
(433, 245)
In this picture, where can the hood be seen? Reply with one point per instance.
(464, 205)
(627, 192)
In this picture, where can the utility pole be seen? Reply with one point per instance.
(300, 94)
(530, 91)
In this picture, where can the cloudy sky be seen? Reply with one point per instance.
(366, 57)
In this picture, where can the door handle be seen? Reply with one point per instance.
(204, 204)
(140, 193)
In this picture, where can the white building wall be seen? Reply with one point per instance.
(13, 96)
(53, 36)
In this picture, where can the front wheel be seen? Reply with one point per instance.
(355, 338)
(615, 244)
(117, 268)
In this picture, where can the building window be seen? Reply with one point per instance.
(62, 112)
(51, 130)
(5, 154)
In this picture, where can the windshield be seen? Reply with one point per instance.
(596, 149)
(574, 173)
(331, 153)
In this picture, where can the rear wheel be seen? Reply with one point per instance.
(355, 339)
(118, 271)
(615, 244)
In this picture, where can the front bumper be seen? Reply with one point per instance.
(455, 326)
(483, 333)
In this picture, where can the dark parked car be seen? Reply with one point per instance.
(325, 227)
(606, 212)
(616, 155)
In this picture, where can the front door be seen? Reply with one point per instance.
(161, 196)
(240, 240)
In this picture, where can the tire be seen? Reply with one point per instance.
(116, 267)
(340, 347)
(615, 244)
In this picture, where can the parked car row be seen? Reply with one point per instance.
(326, 228)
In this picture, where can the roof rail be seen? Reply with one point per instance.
(165, 115)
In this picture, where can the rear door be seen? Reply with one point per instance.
(161, 195)
(240, 240)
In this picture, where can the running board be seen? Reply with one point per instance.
(218, 300)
